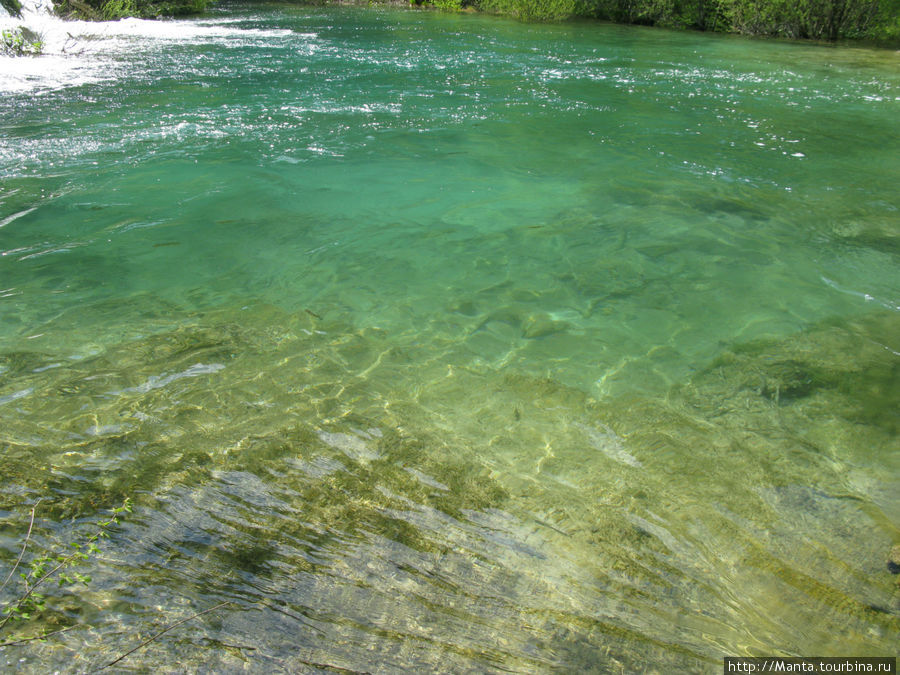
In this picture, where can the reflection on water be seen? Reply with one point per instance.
(448, 343)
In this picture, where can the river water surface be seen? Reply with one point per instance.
(448, 343)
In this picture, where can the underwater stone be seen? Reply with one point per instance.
(788, 380)
(880, 236)
(541, 325)
(464, 307)
(194, 458)
(894, 560)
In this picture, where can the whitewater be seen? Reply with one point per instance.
(76, 53)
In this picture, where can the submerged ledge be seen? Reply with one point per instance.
(296, 460)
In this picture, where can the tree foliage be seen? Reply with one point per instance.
(20, 41)
(49, 568)
(877, 20)
(14, 7)
(107, 10)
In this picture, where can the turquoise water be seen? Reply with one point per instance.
(453, 343)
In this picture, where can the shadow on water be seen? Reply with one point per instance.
(368, 505)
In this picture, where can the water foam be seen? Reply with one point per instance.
(82, 52)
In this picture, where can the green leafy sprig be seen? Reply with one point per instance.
(58, 566)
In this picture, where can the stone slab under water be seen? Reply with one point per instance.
(361, 504)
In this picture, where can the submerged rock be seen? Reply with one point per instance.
(893, 562)
(847, 368)
(541, 325)
(788, 380)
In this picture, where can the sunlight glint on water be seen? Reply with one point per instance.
(454, 343)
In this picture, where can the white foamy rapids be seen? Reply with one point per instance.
(81, 52)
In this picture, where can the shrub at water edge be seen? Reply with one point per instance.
(108, 10)
(877, 20)
(20, 41)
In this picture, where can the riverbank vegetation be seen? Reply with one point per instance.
(13, 7)
(20, 41)
(875, 20)
(105, 10)
(870, 20)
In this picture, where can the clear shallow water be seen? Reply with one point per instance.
(452, 343)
